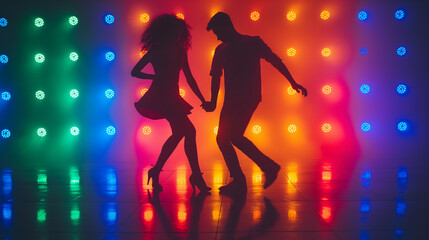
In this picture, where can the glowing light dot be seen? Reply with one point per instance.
(216, 129)
(74, 131)
(109, 19)
(291, 16)
(142, 53)
(365, 88)
(73, 20)
(4, 59)
(182, 92)
(3, 22)
(146, 130)
(325, 15)
(365, 127)
(212, 53)
(402, 126)
(40, 95)
(110, 56)
(254, 16)
(363, 51)
(400, 14)
(143, 91)
(291, 91)
(39, 58)
(326, 52)
(109, 93)
(180, 16)
(291, 52)
(111, 130)
(326, 127)
(144, 17)
(5, 133)
(256, 129)
(39, 22)
(74, 93)
(401, 51)
(401, 89)
(326, 89)
(41, 132)
(5, 96)
(362, 15)
(292, 128)
(73, 56)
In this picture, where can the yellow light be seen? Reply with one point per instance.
(292, 128)
(326, 52)
(256, 129)
(293, 177)
(212, 53)
(181, 214)
(148, 215)
(218, 175)
(182, 92)
(215, 215)
(291, 16)
(290, 90)
(144, 17)
(180, 16)
(327, 89)
(326, 127)
(142, 53)
(146, 130)
(326, 213)
(256, 175)
(216, 129)
(143, 91)
(291, 52)
(291, 215)
(254, 16)
(325, 15)
(326, 175)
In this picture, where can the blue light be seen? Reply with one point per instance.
(364, 88)
(400, 14)
(363, 51)
(362, 15)
(110, 56)
(402, 126)
(365, 127)
(401, 51)
(111, 214)
(110, 93)
(365, 207)
(366, 175)
(5, 96)
(7, 183)
(3, 22)
(4, 59)
(400, 208)
(109, 19)
(7, 211)
(402, 88)
(110, 130)
(402, 173)
(5, 133)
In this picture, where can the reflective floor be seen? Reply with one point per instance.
(113, 202)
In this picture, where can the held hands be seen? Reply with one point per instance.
(299, 88)
(208, 106)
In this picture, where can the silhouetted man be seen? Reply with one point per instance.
(239, 57)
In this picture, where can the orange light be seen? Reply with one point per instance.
(291, 16)
(148, 215)
(212, 53)
(256, 215)
(142, 53)
(181, 214)
(182, 92)
(146, 130)
(254, 16)
(292, 128)
(325, 15)
(327, 89)
(256, 129)
(215, 215)
(291, 215)
(290, 90)
(293, 177)
(326, 52)
(143, 91)
(180, 16)
(291, 52)
(326, 127)
(216, 129)
(144, 17)
(326, 175)
(326, 212)
(256, 175)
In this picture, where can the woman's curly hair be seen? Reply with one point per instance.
(165, 28)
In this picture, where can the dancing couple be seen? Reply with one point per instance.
(167, 40)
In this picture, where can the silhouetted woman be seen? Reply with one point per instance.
(167, 40)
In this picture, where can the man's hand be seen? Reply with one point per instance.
(299, 88)
(209, 106)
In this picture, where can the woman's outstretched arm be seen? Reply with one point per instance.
(137, 70)
(191, 80)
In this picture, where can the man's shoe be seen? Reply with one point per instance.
(271, 175)
(237, 186)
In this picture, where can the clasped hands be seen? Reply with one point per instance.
(208, 106)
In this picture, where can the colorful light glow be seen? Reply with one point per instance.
(3, 22)
(326, 127)
(142, 53)
(291, 91)
(110, 56)
(326, 213)
(4, 59)
(256, 129)
(401, 89)
(326, 89)
(401, 51)
(181, 214)
(109, 19)
(363, 51)
(39, 22)
(144, 17)
(73, 56)
(143, 91)
(292, 128)
(73, 20)
(362, 15)
(5, 96)
(365, 127)
(148, 215)
(400, 14)
(254, 16)
(216, 129)
(111, 130)
(402, 126)
(180, 16)
(212, 53)
(365, 88)
(74, 93)
(291, 16)
(326, 52)
(41, 132)
(40, 95)
(325, 15)
(291, 52)
(74, 131)
(109, 93)
(146, 130)
(39, 58)
(5, 133)
(182, 92)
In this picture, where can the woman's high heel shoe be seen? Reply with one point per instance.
(154, 174)
(198, 180)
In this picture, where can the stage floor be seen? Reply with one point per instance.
(113, 202)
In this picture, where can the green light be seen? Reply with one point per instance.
(41, 215)
(40, 95)
(73, 20)
(41, 132)
(74, 56)
(74, 93)
(75, 215)
(39, 22)
(39, 58)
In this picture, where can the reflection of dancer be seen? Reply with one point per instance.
(239, 56)
(167, 40)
